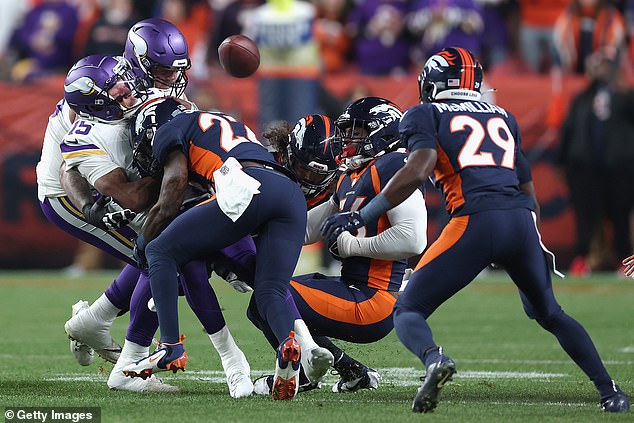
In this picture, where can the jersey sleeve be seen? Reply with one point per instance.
(84, 149)
(418, 128)
(167, 138)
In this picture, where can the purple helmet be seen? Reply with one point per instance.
(158, 54)
(88, 82)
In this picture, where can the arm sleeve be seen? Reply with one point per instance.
(405, 238)
(316, 216)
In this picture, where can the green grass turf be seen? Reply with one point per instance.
(509, 368)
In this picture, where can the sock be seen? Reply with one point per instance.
(337, 353)
(226, 346)
(303, 336)
(431, 355)
(120, 290)
(132, 351)
(103, 310)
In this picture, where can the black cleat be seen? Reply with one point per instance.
(437, 375)
(619, 402)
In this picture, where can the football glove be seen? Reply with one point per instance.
(95, 212)
(118, 219)
(628, 266)
(232, 279)
(338, 223)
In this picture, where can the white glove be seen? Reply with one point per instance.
(240, 286)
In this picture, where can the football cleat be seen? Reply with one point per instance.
(168, 357)
(437, 375)
(83, 328)
(357, 376)
(264, 385)
(619, 402)
(238, 374)
(118, 382)
(287, 366)
(316, 363)
(83, 353)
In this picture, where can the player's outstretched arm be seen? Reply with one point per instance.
(134, 195)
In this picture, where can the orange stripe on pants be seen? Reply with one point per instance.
(449, 236)
(367, 312)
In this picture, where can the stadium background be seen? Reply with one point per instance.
(30, 241)
(29, 94)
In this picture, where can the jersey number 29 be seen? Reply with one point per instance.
(470, 155)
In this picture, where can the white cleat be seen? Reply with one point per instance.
(83, 328)
(117, 381)
(83, 353)
(316, 363)
(238, 374)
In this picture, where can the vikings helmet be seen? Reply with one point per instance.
(380, 118)
(152, 115)
(158, 54)
(311, 153)
(87, 84)
(452, 73)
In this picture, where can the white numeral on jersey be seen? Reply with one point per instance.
(356, 205)
(228, 139)
(470, 155)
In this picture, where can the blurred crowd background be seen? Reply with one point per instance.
(563, 67)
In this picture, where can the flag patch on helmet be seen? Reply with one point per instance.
(453, 82)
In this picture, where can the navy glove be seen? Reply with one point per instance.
(338, 223)
(95, 212)
(139, 252)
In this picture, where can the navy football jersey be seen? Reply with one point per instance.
(208, 139)
(478, 145)
(354, 190)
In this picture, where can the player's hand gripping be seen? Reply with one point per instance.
(97, 215)
(338, 223)
(628, 270)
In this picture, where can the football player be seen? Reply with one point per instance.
(473, 150)
(357, 305)
(254, 194)
(94, 89)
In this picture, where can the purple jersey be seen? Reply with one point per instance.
(478, 145)
(354, 190)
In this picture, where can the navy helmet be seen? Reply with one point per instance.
(452, 73)
(380, 118)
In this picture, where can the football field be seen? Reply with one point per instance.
(509, 369)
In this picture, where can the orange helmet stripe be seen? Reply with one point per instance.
(468, 66)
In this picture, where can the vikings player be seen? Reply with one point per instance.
(472, 148)
(254, 194)
(357, 306)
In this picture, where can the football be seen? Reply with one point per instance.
(239, 56)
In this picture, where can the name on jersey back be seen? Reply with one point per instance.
(469, 106)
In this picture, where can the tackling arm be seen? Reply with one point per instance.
(171, 196)
(136, 195)
(76, 187)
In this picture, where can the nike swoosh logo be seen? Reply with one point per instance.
(152, 360)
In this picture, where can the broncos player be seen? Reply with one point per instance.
(472, 148)
(357, 305)
(254, 194)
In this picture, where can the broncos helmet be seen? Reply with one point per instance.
(452, 73)
(88, 82)
(311, 154)
(152, 114)
(158, 54)
(379, 118)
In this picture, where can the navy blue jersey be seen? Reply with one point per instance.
(478, 146)
(208, 139)
(354, 190)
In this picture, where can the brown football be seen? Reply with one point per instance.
(239, 56)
